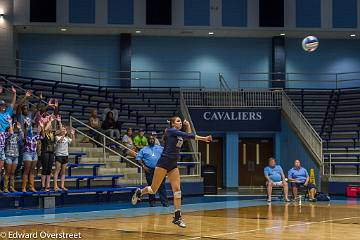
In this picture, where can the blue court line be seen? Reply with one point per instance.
(52, 215)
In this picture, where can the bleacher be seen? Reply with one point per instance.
(335, 115)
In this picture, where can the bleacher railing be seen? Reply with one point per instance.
(298, 80)
(185, 112)
(193, 168)
(103, 144)
(262, 99)
(101, 77)
(332, 163)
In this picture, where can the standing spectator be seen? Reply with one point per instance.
(298, 176)
(12, 155)
(3, 137)
(148, 157)
(140, 140)
(6, 112)
(62, 156)
(112, 109)
(47, 154)
(129, 143)
(154, 135)
(30, 159)
(275, 177)
(109, 126)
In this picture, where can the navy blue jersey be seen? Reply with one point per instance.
(174, 140)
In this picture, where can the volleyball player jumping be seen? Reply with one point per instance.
(167, 164)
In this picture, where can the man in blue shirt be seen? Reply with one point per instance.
(148, 157)
(275, 178)
(300, 177)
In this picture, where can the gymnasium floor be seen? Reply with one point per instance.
(206, 217)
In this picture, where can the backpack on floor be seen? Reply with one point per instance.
(322, 197)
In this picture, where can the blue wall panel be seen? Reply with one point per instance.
(94, 52)
(120, 11)
(333, 55)
(208, 55)
(308, 13)
(234, 13)
(344, 13)
(294, 149)
(82, 11)
(196, 12)
(232, 160)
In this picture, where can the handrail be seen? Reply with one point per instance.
(116, 153)
(223, 84)
(69, 72)
(100, 133)
(185, 112)
(103, 144)
(308, 134)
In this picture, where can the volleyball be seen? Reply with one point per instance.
(310, 43)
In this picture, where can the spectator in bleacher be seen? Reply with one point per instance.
(154, 135)
(12, 156)
(62, 156)
(275, 177)
(140, 140)
(112, 109)
(95, 123)
(30, 159)
(3, 137)
(298, 176)
(47, 153)
(109, 126)
(148, 157)
(42, 116)
(6, 112)
(129, 143)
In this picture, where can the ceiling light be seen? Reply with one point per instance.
(137, 31)
(211, 33)
(282, 34)
(352, 35)
(63, 29)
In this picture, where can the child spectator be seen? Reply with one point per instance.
(30, 159)
(12, 155)
(140, 140)
(3, 136)
(47, 154)
(62, 156)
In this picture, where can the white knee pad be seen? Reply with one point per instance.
(177, 194)
(150, 191)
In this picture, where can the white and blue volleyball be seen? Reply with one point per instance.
(310, 43)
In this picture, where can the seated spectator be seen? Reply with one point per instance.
(129, 143)
(298, 176)
(154, 135)
(140, 140)
(109, 126)
(112, 109)
(95, 123)
(275, 178)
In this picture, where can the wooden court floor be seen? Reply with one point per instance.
(285, 221)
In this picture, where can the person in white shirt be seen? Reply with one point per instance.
(62, 143)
